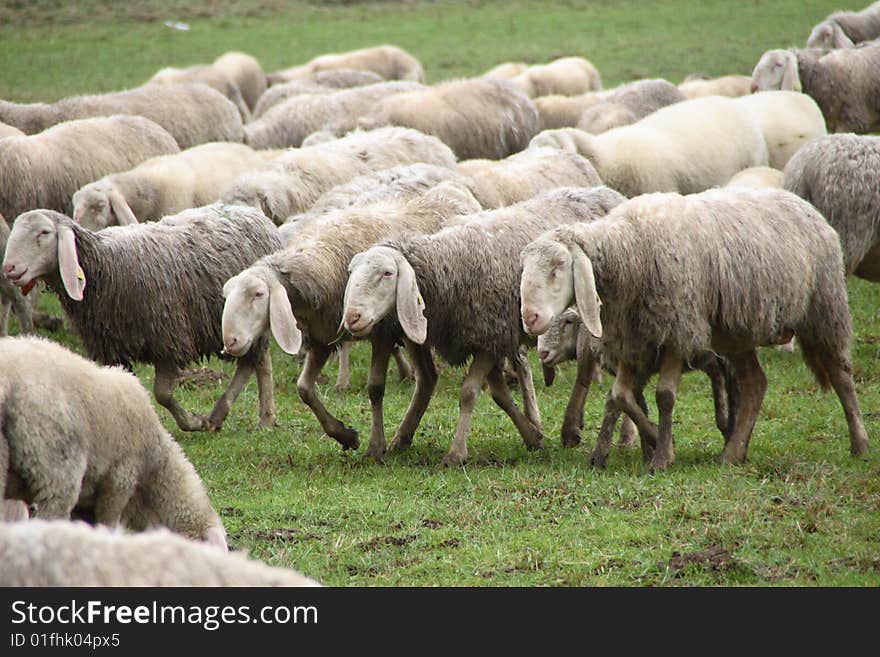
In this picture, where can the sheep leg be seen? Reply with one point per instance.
(527, 388)
(628, 433)
(244, 368)
(630, 400)
(751, 385)
(606, 432)
(343, 377)
(531, 434)
(426, 380)
(404, 371)
(715, 370)
(470, 391)
(842, 381)
(574, 412)
(667, 388)
(266, 388)
(163, 390)
(316, 356)
(112, 496)
(376, 389)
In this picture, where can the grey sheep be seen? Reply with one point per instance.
(496, 183)
(477, 117)
(290, 121)
(390, 62)
(840, 176)
(56, 553)
(457, 292)
(628, 103)
(52, 165)
(324, 82)
(726, 270)
(296, 294)
(151, 292)
(76, 435)
(208, 75)
(844, 83)
(844, 29)
(245, 70)
(191, 113)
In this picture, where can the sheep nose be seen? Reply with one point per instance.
(544, 353)
(352, 318)
(530, 318)
(8, 269)
(230, 343)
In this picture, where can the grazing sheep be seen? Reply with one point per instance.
(757, 267)
(686, 147)
(844, 83)
(294, 180)
(506, 70)
(757, 177)
(11, 298)
(208, 75)
(844, 29)
(695, 86)
(564, 111)
(390, 62)
(78, 435)
(298, 292)
(567, 76)
(291, 121)
(166, 185)
(627, 104)
(150, 292)
(50, 166)
(191, 113)
(245, 71)
(526, 174)
(840, 176)
(324, 82)
(457, 292)
(9, 131)
(55, 553)
(477, 117)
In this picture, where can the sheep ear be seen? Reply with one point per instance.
(72, 275)
(281, 320)
(791, 81)
(124, 215)
(585, 295)
(410, 304)
(217, 537)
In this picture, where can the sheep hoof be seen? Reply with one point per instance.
(342, 387)
(598, 459)
(375, 454)
(729, 458)
(659, 464)
(347, 437)
(400, 442)
(535, 444)
(859, 449)
(453, 460)
(571, 437)
(268, 422)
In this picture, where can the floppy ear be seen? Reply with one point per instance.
(585, 295)
(123, 212)
(791, 81)
(410, 304)
(281, 320)
(72, 275)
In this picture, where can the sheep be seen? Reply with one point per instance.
(564, 111)
(9, 131)
(56, 553)
(294, 181)
(627, 104)
(476, 118)
(391, 62)
(506, 70)
(78, 435)
(695, 86)
(50, 166)
(10, 297)
(456, 292)
(191, 113)
(150, 292)
(525, 174)
(165, 185)
(291, 121)
(298, 292)
(844, 29)
(686, 147)
(567, 76)
(207, 75)
(757, 177)
(324, 82)
(840, 176)
(245, 71)
(756, 267)
(844, 83)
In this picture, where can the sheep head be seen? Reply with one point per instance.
(777, 69)
(100, 204)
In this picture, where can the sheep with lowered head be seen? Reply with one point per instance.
(325, 82)
(844, 29)
(150, 292)
(567, 76)
(391, 62)
(564, 111)
(695, 86)
(456, 291)
(78, 435)
(844, 83)
(245, 71)
(627, 104)
(756, 267)
(207, 75)
(56, 553)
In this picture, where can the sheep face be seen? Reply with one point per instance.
(829, 35)
(32, 249)
(256, 301)
(559, 343)
(777, 69)
(91, 207)
(547, 285)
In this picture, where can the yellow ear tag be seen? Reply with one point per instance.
(421, 302)
(80, 274)
(598, 299)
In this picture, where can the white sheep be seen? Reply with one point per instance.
(391, 62)
(568, 76)
(246, 72)
(695, 86)
(757, 177)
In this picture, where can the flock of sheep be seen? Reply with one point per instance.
(648, 229)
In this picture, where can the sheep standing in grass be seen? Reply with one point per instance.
(325, 82)
(391, 62)
(245, 71)
(166, 185)
(844, 83)
(150, 292)
(844, 29)
(669, 277)
(78, 435)
(457, 292)
(567, 76)
(191, 113)
(297, 293)
(627, 104)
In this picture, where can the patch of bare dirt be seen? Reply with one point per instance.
(381, 541)
(714, 557)
(283, 535)
(201, 377)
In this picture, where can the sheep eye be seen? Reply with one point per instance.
(43, 232)
(569, 321)
(387, 274)
(259, 295)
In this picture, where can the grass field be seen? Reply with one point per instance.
(800, 512)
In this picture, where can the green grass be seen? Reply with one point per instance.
(800, 512)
